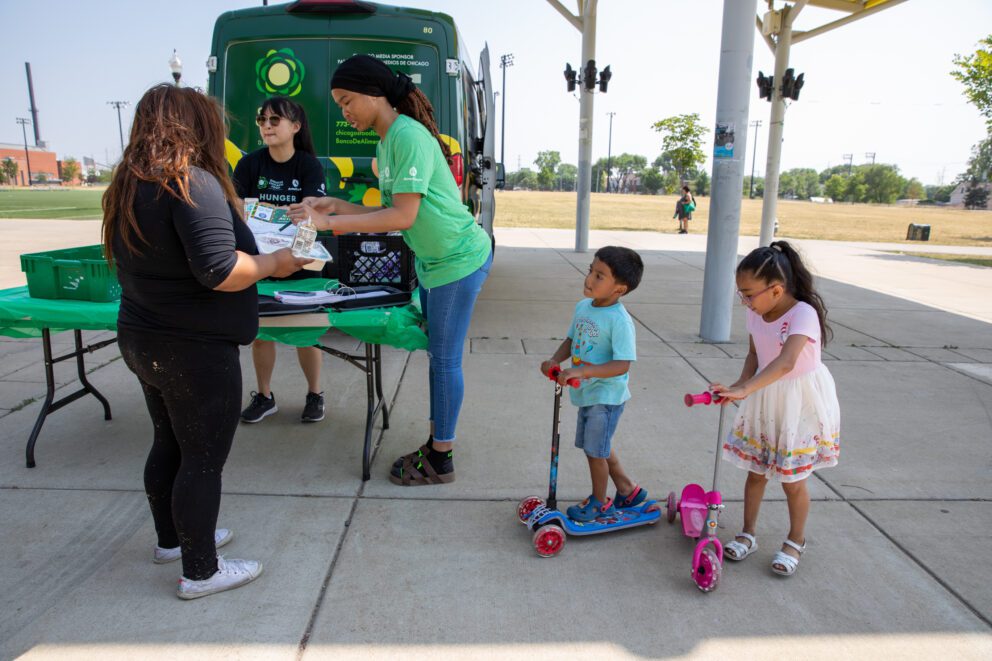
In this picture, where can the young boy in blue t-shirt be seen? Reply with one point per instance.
(601, 344)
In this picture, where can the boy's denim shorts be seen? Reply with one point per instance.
(595, 428)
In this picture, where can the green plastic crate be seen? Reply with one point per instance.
(81, 274)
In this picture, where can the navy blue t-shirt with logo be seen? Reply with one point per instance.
(279, 184)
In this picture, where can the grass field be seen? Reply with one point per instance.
(962, 259)
(70, 203)
(802, 220)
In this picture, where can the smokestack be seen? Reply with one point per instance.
(34, 110)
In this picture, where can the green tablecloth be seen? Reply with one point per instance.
(22, 316)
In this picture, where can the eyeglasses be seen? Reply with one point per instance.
(273, 120)
(746, 300)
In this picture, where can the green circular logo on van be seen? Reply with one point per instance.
(279, 72)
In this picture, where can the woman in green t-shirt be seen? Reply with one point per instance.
(421, 200)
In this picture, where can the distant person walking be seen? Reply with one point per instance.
(683, 210)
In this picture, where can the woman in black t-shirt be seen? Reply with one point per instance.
(187, 265)
(283, 172)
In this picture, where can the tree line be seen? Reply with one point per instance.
(71, 170)
(974, 71)
(630, 173)
(682, 154)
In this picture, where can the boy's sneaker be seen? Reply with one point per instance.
(221, 537)
(590, 509)
(313, 410)
(230, 574)
(259, 407)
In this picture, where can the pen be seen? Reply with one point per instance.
(286, 225)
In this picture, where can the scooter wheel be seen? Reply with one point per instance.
(528, 505)
(549, 540)
(707, 575)
(670, 508)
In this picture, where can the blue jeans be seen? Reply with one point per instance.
(595, 427)
(448, 311)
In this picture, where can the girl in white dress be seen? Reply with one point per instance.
(788, 424)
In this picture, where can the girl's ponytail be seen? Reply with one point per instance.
(800, 283)
(417, 106)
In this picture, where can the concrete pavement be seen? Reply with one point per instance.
(373, 570)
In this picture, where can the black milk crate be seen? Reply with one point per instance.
(375, 259)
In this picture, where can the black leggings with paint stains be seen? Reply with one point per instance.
(193, 392)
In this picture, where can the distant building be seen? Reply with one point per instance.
(43, 162)
(961, 190)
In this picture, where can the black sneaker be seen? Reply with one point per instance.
(259, 407)
(313, 411)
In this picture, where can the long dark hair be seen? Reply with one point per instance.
(780, 262)
(174, 129)
(280, 105)
(417, 106)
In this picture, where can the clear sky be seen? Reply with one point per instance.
(878, 85)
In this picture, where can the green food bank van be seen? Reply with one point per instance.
(292, 49)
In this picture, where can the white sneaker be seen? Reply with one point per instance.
(221, 537)
(230, 574)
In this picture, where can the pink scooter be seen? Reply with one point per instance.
(700, 510)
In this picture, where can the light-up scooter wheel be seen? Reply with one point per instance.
(549, 540)
(707, 575)
(528, 505)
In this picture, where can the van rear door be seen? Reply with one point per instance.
(485, 166)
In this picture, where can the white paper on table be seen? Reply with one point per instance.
(264, 227)
(321, 297)
(271, 242)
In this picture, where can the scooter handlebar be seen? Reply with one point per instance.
(555, 371)
(702, 398)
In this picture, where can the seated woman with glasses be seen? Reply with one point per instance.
(283, 172)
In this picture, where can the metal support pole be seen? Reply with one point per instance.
(504, 62)
(754, 155)
(502, 126)
(120, 124)
(120, 128)
(776, 124)
(609, 153)
(34, 108)
(23, 121)
(733, 94)
(584, 183)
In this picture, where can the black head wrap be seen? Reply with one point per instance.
(367, 75)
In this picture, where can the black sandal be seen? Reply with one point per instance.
(415, 469)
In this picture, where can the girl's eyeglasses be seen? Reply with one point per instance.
(746, 300)
(273, 120)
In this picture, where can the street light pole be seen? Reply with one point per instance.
(120, 125)
(24, 122)
(176, 66)
(754, 152)
(505, 60)
(609, 153)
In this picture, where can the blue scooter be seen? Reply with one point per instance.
(550, 525)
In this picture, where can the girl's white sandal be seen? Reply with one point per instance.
(786, 561)
(737, 551)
